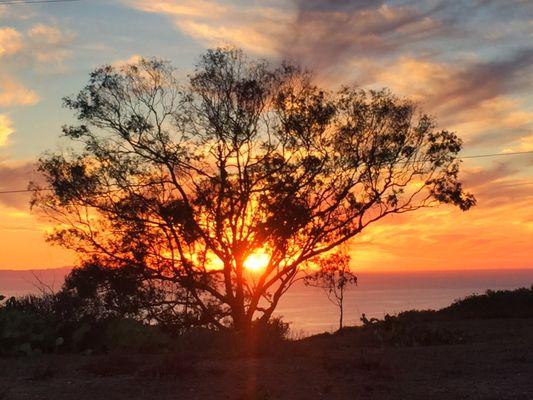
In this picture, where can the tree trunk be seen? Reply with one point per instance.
(341, 308)
(240, 320)
(340, 319)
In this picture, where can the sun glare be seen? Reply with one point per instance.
(257, 261)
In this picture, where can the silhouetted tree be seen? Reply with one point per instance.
(186, 180)
(334, 277)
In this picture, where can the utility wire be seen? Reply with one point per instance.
(23, 190)
(16, 2)
(461, 158)
(498, 154)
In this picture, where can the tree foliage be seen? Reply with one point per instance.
(186, 179)
(98, 291)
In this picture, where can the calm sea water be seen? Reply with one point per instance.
(309, 310)
(377, 294)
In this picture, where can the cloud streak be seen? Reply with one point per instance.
(254, 28)
(13, 93)
(6, 129)
(325, 34)
(416, 48)
(10, 41)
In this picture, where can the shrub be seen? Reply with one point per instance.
(131, 335)
(493, 304)
(27, 326)
(32, 325)
(265, 338)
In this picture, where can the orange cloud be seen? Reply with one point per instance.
(254, 28)
(47, 44)
(490, 116)
(186, 8)
(6, 129)
(134, 59)
(46, 33)
(418, 79)
(10, 41)
(443, 239)
(13, 93)
(41, 44)
(523, 144)
(498, 232)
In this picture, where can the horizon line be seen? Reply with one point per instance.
(364, 271)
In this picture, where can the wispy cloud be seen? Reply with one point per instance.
(39, 48)
(254, 27)
(326, 34)
(13, 93)
(41, 44)
(47, 44)
(6, 129)
(10, 41)
(482, 100)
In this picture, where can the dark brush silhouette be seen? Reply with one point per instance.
(186, 180)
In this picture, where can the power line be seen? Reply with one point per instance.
(16, 2)
(47, 189)
(462, 158)
(23, 190)
(498, 154)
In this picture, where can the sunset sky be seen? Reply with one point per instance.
(469, 63)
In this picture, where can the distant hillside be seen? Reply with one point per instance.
(18, 282)
(517, 303)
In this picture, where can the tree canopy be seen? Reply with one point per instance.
(186, 179)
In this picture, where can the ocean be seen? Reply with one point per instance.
(377, 294)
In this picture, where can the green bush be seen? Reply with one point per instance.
(27, 327)
(31, 325)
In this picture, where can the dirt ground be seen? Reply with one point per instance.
(495, 363)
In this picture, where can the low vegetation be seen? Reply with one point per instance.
(477, 342)
(493, 304)
(68, 321)
(424, 327)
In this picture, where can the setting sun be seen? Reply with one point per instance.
(257, 261)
